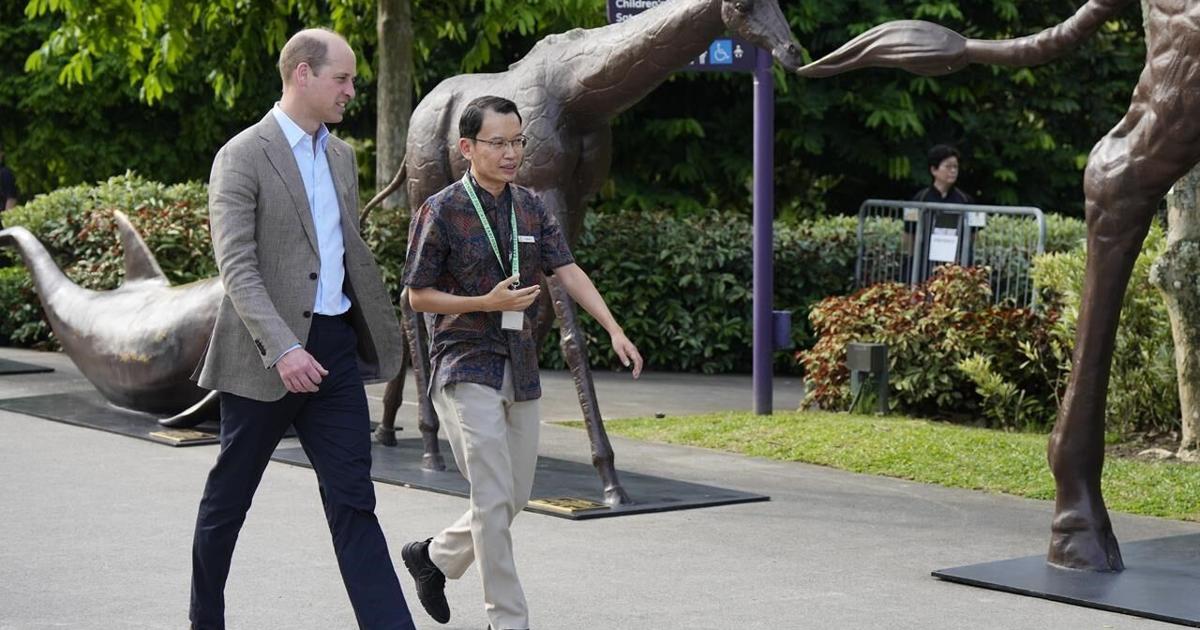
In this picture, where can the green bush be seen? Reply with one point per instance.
(21, 323)
(77, 227)
(931, 329)
(682, 287)
(1006, 367)
(386, 233)
(1142, 391)
(1063, 234)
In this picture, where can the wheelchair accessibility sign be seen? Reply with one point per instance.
(720, 52)
(725, 54)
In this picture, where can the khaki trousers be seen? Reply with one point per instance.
(495, 442)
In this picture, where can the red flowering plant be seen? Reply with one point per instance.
(951, 353)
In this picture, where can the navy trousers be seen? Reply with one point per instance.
(334, 429)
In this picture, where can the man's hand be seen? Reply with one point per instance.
(627, 353)
(502, 298)
(300, 371)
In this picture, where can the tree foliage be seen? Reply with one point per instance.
(1025, 133)
(157, 85)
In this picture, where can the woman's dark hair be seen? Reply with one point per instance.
(940, 152)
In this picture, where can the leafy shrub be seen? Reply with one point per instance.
(386, 233)
(1006, 366)
(1063, 234)
(682, 287)
(1142, 392)
(21, 321)
(77, 227)
(931, 329)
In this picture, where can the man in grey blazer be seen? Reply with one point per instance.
(306, 320)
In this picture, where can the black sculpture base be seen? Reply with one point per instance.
(561, 488)
(1160, 580)
(90, 409)
(8, 366)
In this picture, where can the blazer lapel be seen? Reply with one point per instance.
(280, 155)
(341, 184)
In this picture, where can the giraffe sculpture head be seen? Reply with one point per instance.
(762, 23)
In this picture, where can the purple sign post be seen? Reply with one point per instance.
(723, 55)
(764, 233)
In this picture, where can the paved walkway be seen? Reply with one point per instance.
(95, 533)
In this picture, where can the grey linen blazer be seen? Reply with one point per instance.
(266, 249)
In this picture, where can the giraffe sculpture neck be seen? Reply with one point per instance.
(618, 65)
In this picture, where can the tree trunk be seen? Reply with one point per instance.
(394, 98)
(1177, 275)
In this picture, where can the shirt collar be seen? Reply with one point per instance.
(485, 197)
(294, 133)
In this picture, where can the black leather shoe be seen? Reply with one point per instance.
(431, 582)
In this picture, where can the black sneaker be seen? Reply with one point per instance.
(431, 582)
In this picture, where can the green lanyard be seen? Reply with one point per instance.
(487, 228)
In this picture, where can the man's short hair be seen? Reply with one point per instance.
(471, 120)
(940, 152)
(304, 47)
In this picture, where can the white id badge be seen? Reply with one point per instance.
(512, 320)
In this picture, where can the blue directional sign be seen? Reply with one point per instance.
(723, 55)
(720, 52)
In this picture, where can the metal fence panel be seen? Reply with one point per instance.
(905, 241)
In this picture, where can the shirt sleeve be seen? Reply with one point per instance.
(427, 250)
(554, 250)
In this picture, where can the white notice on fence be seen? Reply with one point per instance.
(943, 245)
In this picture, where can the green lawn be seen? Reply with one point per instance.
(925, 451)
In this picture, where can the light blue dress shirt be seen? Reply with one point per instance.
(326, 213)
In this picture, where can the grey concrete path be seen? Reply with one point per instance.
(95, 532)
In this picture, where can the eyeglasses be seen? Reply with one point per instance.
(517, 144)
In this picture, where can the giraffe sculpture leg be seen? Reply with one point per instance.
(393, 397)
(416, 338)
(427, 419)
(1129, 172)
(574, 348)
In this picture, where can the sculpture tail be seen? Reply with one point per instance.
(47, 276)
(928, 49)
(393, 186)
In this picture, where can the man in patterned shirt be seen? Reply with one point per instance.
(476, 257)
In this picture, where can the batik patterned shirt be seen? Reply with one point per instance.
(448, 250)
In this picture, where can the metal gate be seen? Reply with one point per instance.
(905, 241)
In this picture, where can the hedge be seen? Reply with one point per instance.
(76, 225)
(681, 287)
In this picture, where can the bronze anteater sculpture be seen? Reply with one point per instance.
(138, 343)
(568, 89)
(1128, 173)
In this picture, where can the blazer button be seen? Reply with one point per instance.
(312, 276)
(307, 314)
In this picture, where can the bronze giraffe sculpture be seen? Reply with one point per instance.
(1128, 172)
(568, 88)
